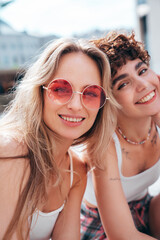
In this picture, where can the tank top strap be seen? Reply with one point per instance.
(71, 169)
(158, 129)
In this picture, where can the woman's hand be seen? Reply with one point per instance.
(156, 117)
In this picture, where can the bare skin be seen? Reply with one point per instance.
(16, 172)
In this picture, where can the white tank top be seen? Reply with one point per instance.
(134, 187)
(43, 223)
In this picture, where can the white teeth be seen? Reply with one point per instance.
(147, 98)
(69, 119)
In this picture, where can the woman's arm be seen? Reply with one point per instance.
(68, 224)
(113, 207)
(14, 174)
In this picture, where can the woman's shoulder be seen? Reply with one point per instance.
(79, 173)
(14, 164)
(13, 154)
(79, 165)
(11, 146)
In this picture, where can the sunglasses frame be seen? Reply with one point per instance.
(81, 93)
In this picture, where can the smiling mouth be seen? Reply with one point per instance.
(71, 119)
(147, 98)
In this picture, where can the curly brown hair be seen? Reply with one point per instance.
(120, 47)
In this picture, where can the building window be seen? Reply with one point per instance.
(3, 46)
(142, 2)
(15, 61)
(144, 33)
(6, 61)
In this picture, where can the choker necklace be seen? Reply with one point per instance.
(132, 142)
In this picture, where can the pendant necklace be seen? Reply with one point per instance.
(132, 142)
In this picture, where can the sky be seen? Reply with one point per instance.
(68, 17)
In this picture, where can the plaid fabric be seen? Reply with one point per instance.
(91, 226)
(140, 213)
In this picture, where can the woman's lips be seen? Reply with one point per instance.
(147, 98)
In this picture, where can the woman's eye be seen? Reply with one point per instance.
(58, 89)
(91, 94)
(143, 71)
(122, 85)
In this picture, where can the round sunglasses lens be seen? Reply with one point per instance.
(60, 91)
(94, 97)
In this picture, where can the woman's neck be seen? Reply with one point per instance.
(135, 130)
(60, 149)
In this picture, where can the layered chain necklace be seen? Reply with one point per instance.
(132, 142)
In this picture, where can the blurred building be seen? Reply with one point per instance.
(148, 30)
(17, 50)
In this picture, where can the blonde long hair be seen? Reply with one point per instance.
(24, 118)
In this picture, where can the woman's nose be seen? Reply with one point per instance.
(141, 84)
(75, 103)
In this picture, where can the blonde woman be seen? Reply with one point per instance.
(60, 102)
(120, 206)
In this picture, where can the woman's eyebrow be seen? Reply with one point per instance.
(120, 77)
(138, 65)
